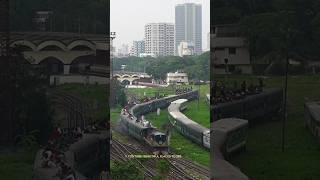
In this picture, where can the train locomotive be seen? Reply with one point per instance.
(186, 126)
(143, 130)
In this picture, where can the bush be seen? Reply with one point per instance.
(163, 166)
(125, 171)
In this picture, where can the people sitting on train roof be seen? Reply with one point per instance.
(148, 124)
(221, 93)
(65, 172)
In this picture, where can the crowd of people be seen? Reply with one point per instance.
(221, 93)
(53, 155)
(183, 90)
(125, 111)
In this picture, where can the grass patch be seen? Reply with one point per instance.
(17, 166)
(94, 95)
(115, 114)
(151, 91)
(263, 159)
(201, 113)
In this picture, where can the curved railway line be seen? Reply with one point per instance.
(75, 110)
(179, 168)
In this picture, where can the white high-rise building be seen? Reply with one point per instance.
(208, 41)
(123, 51)
(159, 39)
(188, 25)
(137, 48)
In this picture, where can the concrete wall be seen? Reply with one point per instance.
(242, 56)
(64, 79)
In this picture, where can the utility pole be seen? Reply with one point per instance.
(198, 94)
(109, 41)
(285, 113)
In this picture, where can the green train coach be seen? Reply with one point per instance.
(228, 136)
(259, 106)
(187, 127)
(312, 117)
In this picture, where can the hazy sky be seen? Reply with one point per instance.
(128, 17)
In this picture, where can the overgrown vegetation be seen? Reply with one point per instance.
(26, 114)
(163, 167)
(125, 171)
(117, 95)
(94, 95)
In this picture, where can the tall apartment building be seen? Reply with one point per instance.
(188, 25)
(123, 51)
(137, 48)
(159, 39)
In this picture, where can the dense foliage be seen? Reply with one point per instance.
(117, 94)
(92, 15)
(274, 27)
(125, 171)
(23, 96)
(197, 67)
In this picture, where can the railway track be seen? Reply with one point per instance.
(120, 152)
(179, 168)
(74, 109)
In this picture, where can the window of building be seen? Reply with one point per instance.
(232, 50)
(219, 49)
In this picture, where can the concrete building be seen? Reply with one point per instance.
(42, 20)
(177, 77)
(123, 51)
(227, 44)
(159, 39)
(137, 48)
(61, 53)
(147, 54)
(185, 49)
(188, 25)
(208, 41)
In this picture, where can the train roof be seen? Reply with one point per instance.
(176, 114)
(197, 127)
(179, 101)
(265, 91)
(141, 124)
(86, 141)
(228, 124)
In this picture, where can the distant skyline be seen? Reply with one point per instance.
(128, 17)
